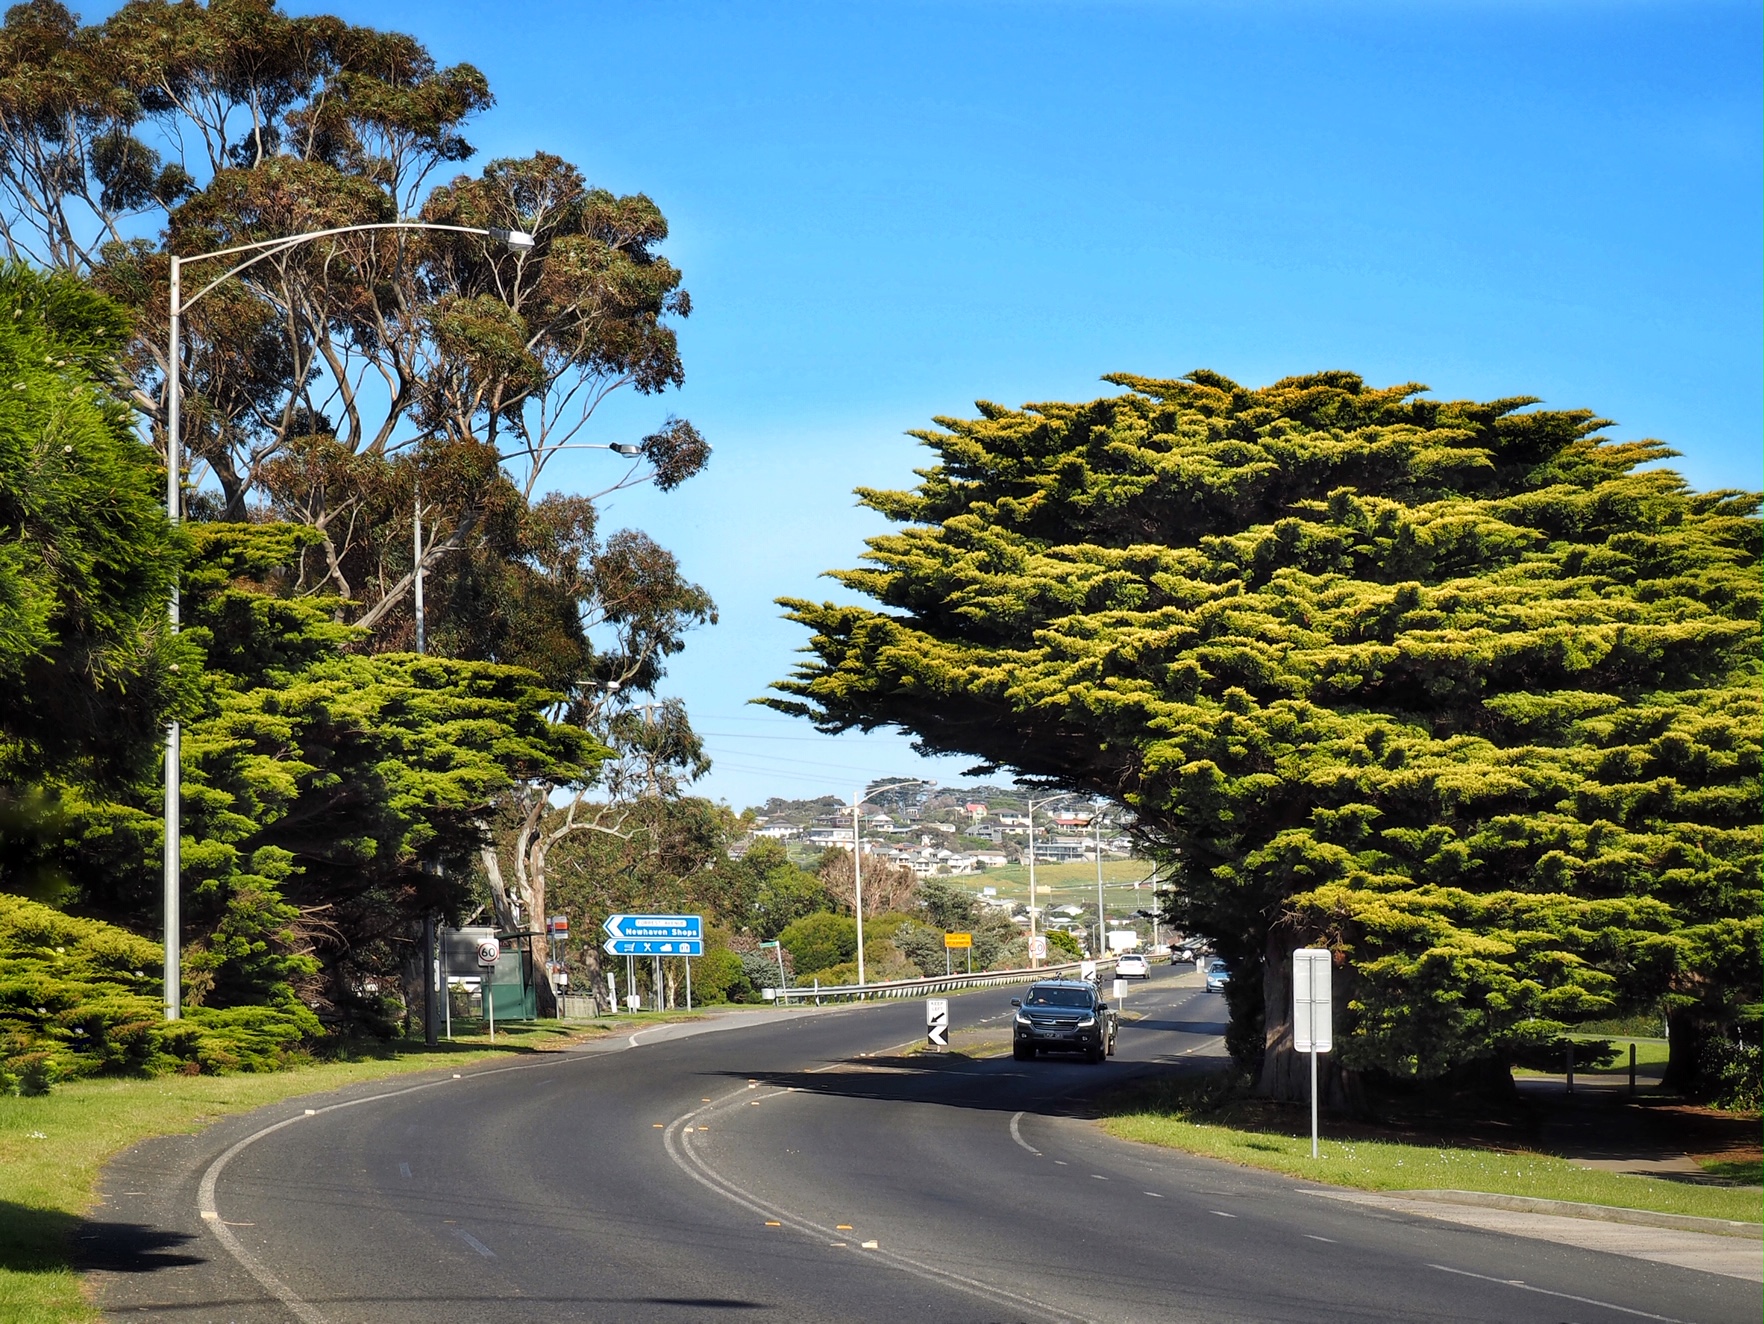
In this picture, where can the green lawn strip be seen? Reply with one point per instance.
(1750, 1172)
(1650, 1054)
(1371, 1165)
(52, 1146)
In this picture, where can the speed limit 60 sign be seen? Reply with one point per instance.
(488, 951)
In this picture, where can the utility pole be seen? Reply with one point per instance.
(1101, 926)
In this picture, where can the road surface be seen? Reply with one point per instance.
(799, 1169)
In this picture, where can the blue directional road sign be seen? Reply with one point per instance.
(653, 947)
(664, 927)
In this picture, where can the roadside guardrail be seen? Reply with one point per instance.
(909, 988)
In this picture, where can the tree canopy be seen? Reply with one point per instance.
(1466, 691)
(87, 557)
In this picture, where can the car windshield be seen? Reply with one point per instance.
(1058, 997)
(1216, 966)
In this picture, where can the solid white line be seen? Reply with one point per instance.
(1566, 1296)
(1017, 1135)
(210, 1214)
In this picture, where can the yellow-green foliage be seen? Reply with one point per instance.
(1460, 689)
(80, 998)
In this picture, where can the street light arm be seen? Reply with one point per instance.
(517, 240)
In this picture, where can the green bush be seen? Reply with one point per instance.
(719, 976)
(818, 941)
(1062, 946)
(82, 998)
(1728, 1071)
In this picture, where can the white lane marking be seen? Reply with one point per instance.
(1565, 1296)
(1221, 1213)
(205, 1192)
(1314, 1237)
(474, 1243)
(1017, 1135)
(404, 1170)
(1154, 1195)
(681, 1149)
(1097, 1176)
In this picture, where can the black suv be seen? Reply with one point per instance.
(1063, 1015)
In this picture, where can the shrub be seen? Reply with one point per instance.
(1062, 946)
(81, 998)
(720, 976)
(821, 940)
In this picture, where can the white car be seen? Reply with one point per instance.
(1131, 965)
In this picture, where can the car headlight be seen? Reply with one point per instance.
(1087, 1022)
(1022, 1019)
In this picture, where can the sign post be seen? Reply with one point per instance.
(489, 952)
(783, 983)
(953, 942)
(937, 1023)
(654, 936)
(1312, 1014)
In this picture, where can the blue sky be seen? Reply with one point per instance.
(885, 211)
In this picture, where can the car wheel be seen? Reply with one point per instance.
(1022, 1052)
(1095, 1055)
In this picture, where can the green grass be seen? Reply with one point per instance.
(1379, 1165)
(52, 1146)
(1750, 1172)
(1650, 1055)
(1069, 884)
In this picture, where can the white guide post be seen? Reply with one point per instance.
(1312, 1014)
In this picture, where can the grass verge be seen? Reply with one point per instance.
(52, 1146)
(1199, 1120)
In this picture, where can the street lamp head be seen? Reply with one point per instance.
(625, 448)
(516, 241)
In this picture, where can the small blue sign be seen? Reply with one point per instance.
(665, 927)
(653, 947)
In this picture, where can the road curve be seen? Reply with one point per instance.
(793, 1168)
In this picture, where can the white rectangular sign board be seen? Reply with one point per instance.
(937, 1022)
(1123, 940)
(1313, 1015)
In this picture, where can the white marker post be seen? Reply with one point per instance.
(1312, 1014)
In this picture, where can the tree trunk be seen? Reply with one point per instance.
(1685, 1032)
(1286, 1072)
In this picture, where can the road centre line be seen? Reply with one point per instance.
(1565, 1296)
(680, 1149)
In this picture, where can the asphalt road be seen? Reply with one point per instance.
(796, 1169)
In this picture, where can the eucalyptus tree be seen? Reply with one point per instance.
(349, 381)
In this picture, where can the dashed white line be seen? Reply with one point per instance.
(1221, 1213)
(1314, 1237)
(1154, 1195)
(404, 1170)
(474, 1243)
(1565, 1296)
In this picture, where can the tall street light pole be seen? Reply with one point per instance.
(513, 240)
(1034, 961)
(857, 855)
(1101, 927)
